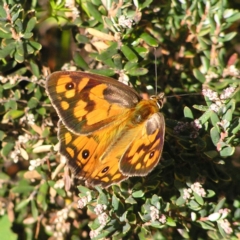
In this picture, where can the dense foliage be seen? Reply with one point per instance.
(194, 45)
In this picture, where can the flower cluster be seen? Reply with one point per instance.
(70, 4)
(155, 215)
(103, 219)
(125, 22)
(218, 101)
(224, 223)
(60, 226)
(197, 188)
(192, 127)
(28, 118)
(34, 163)
(83, 201)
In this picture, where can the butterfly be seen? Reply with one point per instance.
(107, 132)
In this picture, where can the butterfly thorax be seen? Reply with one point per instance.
(146, 108)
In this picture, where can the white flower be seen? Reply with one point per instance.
(34, 163)
(100, 208)
(224, 223)
(197, 188)
(102, 218)
(186, 193)
(154, 213)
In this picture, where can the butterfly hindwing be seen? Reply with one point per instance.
(144, 152)
(84, 158)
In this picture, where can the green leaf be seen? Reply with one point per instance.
(6, 229)
(145, 4)
(31, 24)
(23, 187)
(17, 95)
(215, 119)
(130, 65)
(188, 113)
(227, 37)
(215, 136)
(42, 196)
(204, 118)
(34, 68)
(83, 190)
(207, 225)
(35, 45)
(3, 13)
(138, 194)
(34, 209)
(228, 115)
(19, 25)
(7, 50)
(198, 198)
(117, 58)
(28, 36)
(138, 71)
(109, 52)
(13, 114)
(149, 40)
(33, 102)
(227, 151)
(117, 204)
(81, 39)
(220, 204)
(2, 135)
(198, 75)
(5, 35)
(231, 17)
(11, 104)
(103, 199)
(211, 154)
(194, 205)
(129, 54)
(20, 48)
(130, 200)
(18, 57)
(103, 72)
(235, 126)
(126, 228)
(93, 11)
(170, 222)
(22, 204)
(80, 62)
(42, 111)
(7, 148)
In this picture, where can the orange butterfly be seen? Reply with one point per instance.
(106, 130)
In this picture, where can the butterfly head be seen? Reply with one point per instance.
(158, 99)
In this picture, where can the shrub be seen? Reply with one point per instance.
(193, 192)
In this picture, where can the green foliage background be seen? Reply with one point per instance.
(194, 192)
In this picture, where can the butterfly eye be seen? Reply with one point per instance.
(151, 154)
(85, 153)
(69, 86)
(105, 169)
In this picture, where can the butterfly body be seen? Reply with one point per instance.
(106, 131)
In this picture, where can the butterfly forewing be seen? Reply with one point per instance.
(87, 102)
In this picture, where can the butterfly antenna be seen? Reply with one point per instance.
(184, 94)
(155, 59)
